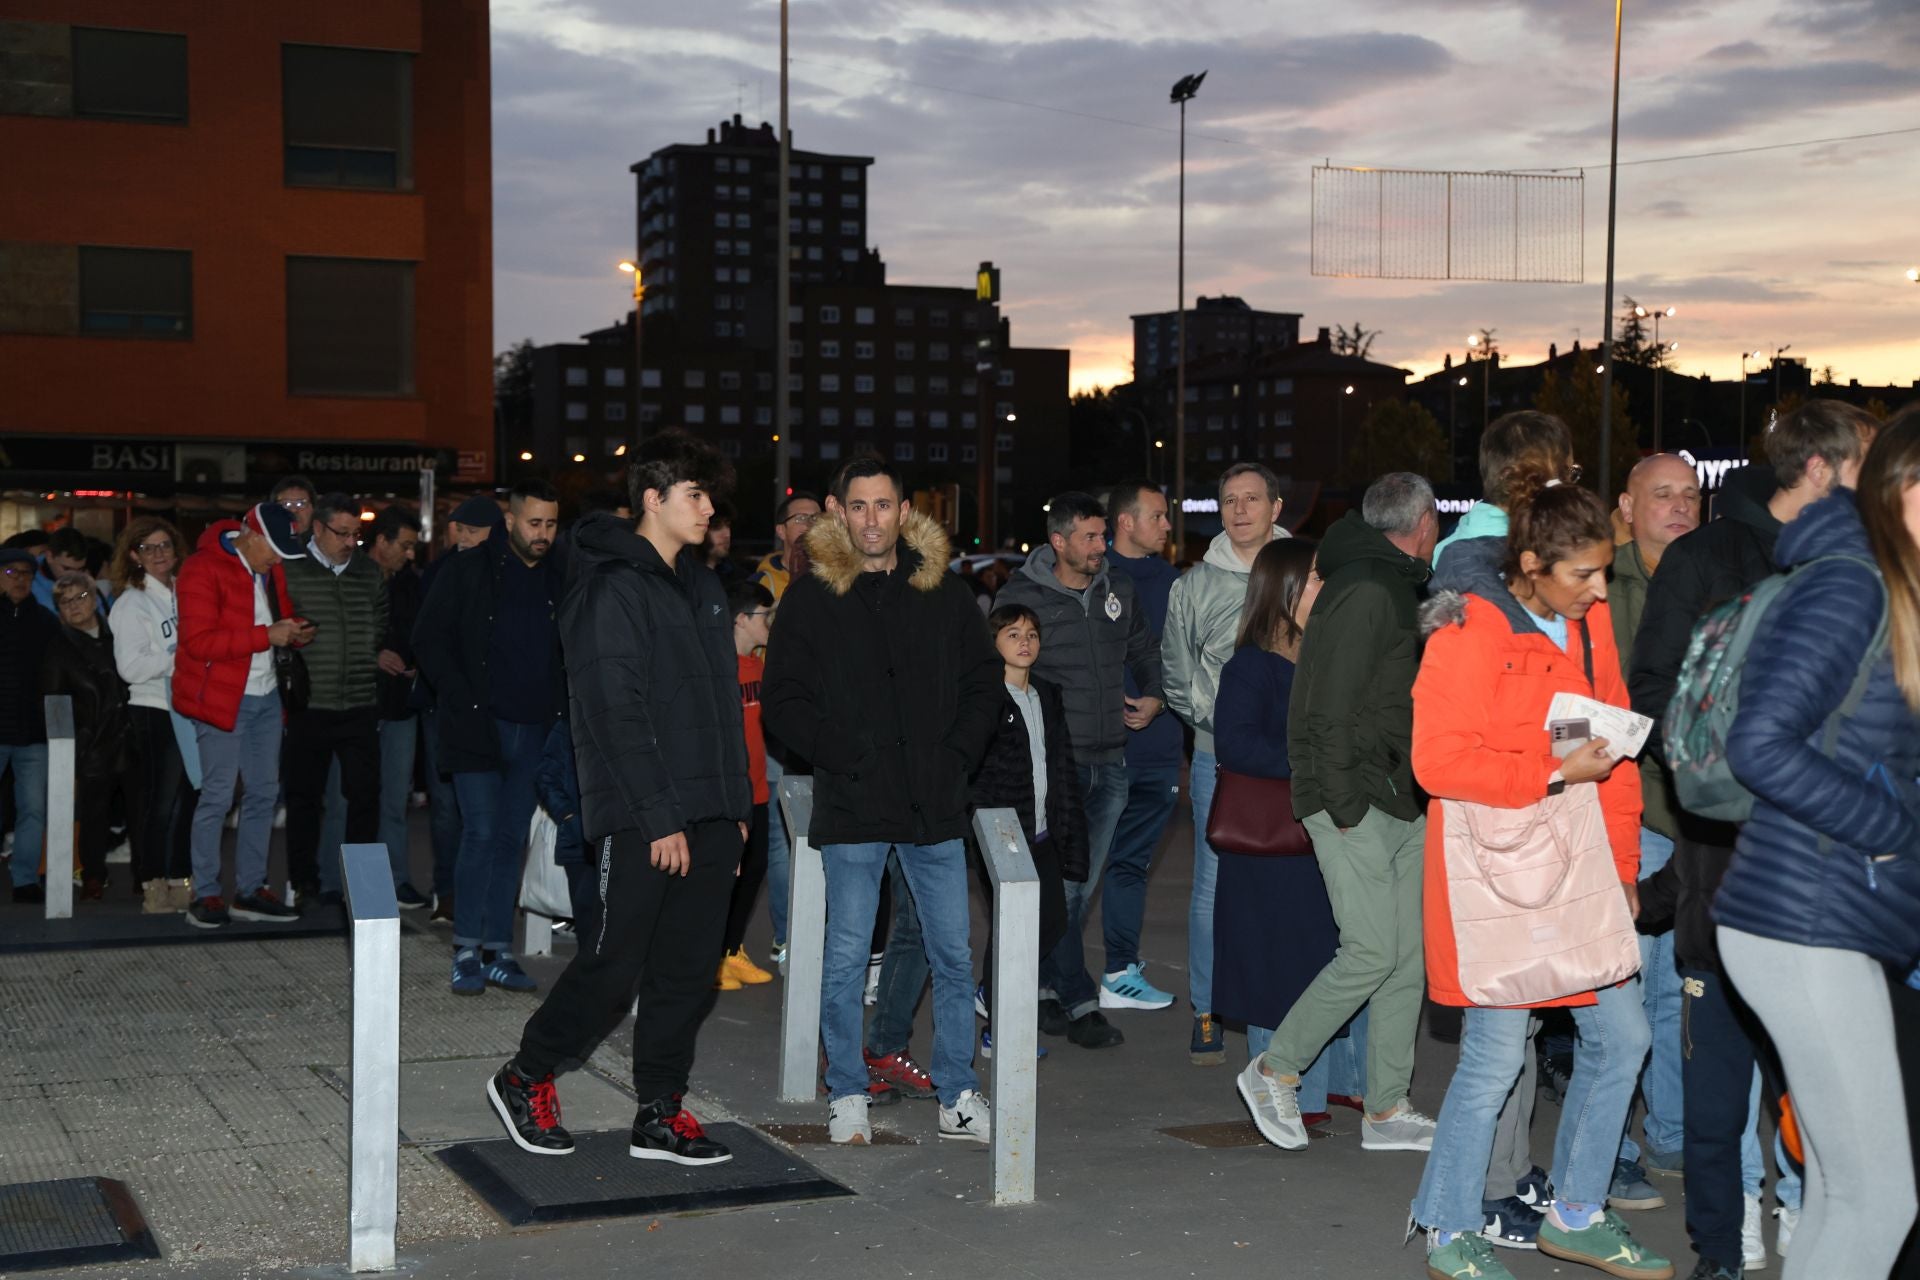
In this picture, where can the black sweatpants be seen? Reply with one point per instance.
(1906, 1035)
(746, 886)
(314, 739)
(1720, 1041)
(658, 933)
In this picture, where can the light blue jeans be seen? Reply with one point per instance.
(937, 875)
(1660, 1084)
(779, 854)
(1753, 1170)
(1611, 1046)
(1341, 1067)
(1201, 782)
(29, 808)
(248, 759)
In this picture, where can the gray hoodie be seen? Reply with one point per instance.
(1203, 620)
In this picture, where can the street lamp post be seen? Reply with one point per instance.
(632, 268)
(1340, 431)
(1741, 433)
(782, 291)
(1183, 89)
(1453, 429)
(1659, 363)
(1773, 372)
(1486, 372)
(1606, 328)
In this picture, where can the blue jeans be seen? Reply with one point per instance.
(1660, 1085)
(1607, 1056)
(398, 739)
(779, 854)
(443, 811)
(903, 971)
(29, 807)
(1341, 1067)
(937, 876)
(1152, 793)
(1206, 875)
(1065, 967)
(249, 758)
(496, 808)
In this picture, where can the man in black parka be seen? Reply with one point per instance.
(880, 673)
(664, 798)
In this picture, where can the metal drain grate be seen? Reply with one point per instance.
(69, 1223)
(600, 1180)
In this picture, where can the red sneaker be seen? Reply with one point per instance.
(901, 1072)
(1347, 1100)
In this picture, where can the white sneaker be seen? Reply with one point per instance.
(1275, 1106)
(968, 1119)
(1786, 1221)
(1753, 1243)
(1404, 1130)
(847, 1123)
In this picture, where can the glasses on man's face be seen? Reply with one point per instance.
(16, 571)
(153, 548)
(760, 613)
(803, 518)
(347, 532)
(296, 504)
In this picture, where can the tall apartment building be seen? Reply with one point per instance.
(240, 239)
(1223, 326)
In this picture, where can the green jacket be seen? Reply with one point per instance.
(1350, 720)
(349, 610)
(1627, 601)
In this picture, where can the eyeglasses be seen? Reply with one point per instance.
(802, 518)
(153, 548)
(16, 571)
(296, 504)
(759, 613)
(348, 532)
(73, 597)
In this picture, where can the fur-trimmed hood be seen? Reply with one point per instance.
(837, 564)
(1442, 609)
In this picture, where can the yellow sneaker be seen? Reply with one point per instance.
(724, 980)
(743, 969)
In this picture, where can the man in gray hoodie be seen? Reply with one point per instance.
(1203, 618)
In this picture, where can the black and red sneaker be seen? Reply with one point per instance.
(530, 1109)
(665, 1130)
(900, 1071)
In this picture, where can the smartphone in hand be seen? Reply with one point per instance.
(1568, 736)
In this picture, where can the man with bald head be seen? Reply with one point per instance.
(1662, 503)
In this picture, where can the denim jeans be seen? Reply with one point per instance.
(443, 810)
(29, 764)
(1065, 967)
(398, 739)
(937, 876)
(1753, 1170)
(903, 970)
(496, 808)
(1341, 1067)
(1201, 781)
(1660, 1086)
(1607, 1056)
(779, 854)
(248, 758)
(1151, 796)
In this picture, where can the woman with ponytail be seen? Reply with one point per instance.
(1529, 620)
(1820, 906)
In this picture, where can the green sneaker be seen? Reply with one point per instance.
(1607, 1245)
(1468, 1256)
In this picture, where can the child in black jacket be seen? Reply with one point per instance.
(1029, 768)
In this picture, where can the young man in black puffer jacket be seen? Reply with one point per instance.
(664, 797)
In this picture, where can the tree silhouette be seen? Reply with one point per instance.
(1575, 400)
(1396, 435)
(1634, 342)
(513, 388)
(1357, 341)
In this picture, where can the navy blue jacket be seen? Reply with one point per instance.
(1863, 893)
(1162, 744)
(1250, 717)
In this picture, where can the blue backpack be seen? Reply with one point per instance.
(1707, 696)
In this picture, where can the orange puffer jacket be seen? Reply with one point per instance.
(1479, 716)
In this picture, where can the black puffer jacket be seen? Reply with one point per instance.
(657, 733)
(1004, 779)
(887, 683)
(1089, 641)
(26, 630)
(81, 667)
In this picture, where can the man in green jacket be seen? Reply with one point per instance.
(1350, 741)
(343, 594)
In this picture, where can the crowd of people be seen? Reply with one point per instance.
(1413, 765)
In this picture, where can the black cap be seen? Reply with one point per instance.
(477, 513)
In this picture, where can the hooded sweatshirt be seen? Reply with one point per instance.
(146, 627)
(1203, 622)
(1350, 719)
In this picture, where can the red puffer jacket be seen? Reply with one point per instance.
(218, 636)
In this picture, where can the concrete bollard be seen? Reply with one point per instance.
(806, 947)
(60, 802)
(373, 1179)
(1016, 999)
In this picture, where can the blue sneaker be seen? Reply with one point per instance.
(1128, 990)
(505, 972)
(469, 979)
(980, 1002)
(986, 1046)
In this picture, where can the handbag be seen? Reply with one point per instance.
(1254, 816)
(1538, 913)
(289, 668)
(543, 881)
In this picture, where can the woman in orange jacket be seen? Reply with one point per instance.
(1531, 622)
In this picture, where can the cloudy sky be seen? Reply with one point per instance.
(1037, 133)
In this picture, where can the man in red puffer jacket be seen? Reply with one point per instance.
(224, 681)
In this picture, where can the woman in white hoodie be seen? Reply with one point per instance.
(145, 629)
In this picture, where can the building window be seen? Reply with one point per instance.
(348, 117)
(829, 417)
(829, 451)
(576, 412)
(136, 293)
(576, 376)
(936, 386)
(1283, 386)
(937, 419)
(721, 328)
(848, 200)
(795, 349)
(830, 382)
(863, 383)
(614, 411)
(763, 417)
(723, 248)
(968, 453)
(694, 413)
(938, 319)
(742, 221)
(1283, 417)
(849, 227)
(814, 200)
(742, 248)
(863, 315)
(730, 380)
(813, 253)
(796, 315)
(723, 164)
(903, 317)
(650, 377)
(763, 382)
(1215, 453)
(694, 379)
(723, 302)
(723, 275)
(743, 275)
(723, 220)
(1003, 443)
(815, 226)
(903, 419)
(849, 255)
(349, 327)
(129, 75)
(815, 172)
(937, 351)
(903, 451)
(829, 350)
(903, 384)
(829, 315)
(616, 377)
(937, 451)
(863, 417)
(743, 193)
(743, 165)
(969, 386)
(730, 415)
(903, 351)
(1004, 378)
(849, 173)
(863, 351)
